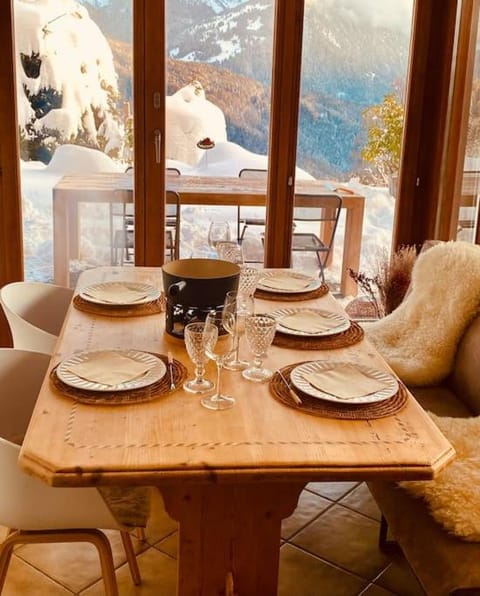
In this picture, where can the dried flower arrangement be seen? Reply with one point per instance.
(388, 286)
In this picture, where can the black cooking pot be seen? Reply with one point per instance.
(199, 282)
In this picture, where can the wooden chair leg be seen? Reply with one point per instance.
(95, 537)
(106, 562)
(131, 558)
(140, 532)
(6, 550)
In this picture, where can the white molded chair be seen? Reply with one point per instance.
(38, 512)
(35, 312)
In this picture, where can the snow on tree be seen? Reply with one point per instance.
(66, 81)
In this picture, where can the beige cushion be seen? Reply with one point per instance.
(440, 400)
(465, 378)
(460, 394)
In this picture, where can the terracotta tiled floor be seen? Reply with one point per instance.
(329, 548)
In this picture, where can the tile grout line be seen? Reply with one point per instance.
(56, 582)
(333, 504)
(335, 565)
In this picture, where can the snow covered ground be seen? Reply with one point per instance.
(225, 159)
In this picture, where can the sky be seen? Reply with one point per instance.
(393, 14)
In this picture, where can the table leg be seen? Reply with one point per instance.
(229, 535)
(61, 241)
(73, 231)
(326, 232)
(352, 248)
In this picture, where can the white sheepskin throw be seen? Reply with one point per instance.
(420, 337)
(453, 497)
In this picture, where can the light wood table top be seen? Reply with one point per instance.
(230, 463)
(174, 435)
(199, 190)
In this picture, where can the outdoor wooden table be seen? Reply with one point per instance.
(230, 476)
(194, 190)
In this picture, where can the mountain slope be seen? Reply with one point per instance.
(349, 63)
(341, 56)
(329, 126)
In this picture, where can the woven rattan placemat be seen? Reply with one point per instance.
(115, 310)
(292, 297)
(135, 396)
(327, 409)
(349, 337)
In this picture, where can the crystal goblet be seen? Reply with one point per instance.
(259, 331)
(218, 231)
(247, 282)
(230, 251)
(196, 336)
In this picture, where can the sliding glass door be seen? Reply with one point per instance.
(202, 91)
(465, 212)
(219, 74)
(355, 61)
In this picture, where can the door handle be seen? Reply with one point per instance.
(157, 135)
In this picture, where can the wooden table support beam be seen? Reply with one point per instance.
(230, 535)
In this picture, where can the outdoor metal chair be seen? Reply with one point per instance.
(123, 238)
(174, 171)
(244, 221)
(323, 209)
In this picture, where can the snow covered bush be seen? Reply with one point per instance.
(66, 82)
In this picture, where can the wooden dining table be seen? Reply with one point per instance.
(229, 477)
(74, 189)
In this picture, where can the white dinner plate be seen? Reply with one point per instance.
(151, 293)
(302, 384)
(153, 375)
(313, 283)
(342, 323)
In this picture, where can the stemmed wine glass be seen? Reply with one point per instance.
(240, 306)
(218, 231)
(259, 331)
(220, 350)
(196, 337)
